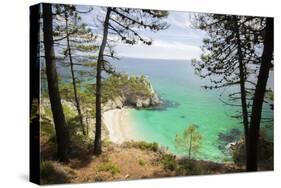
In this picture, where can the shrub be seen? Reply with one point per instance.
(142, 145)
(169, 162)
(147, 146)
(46, 169)
(106, 142)
(47, 130)
(141, 162)
(69, 111)
(189, 167)
(108, 167)
(52, 172)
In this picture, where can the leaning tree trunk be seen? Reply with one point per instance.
(56, 106)
(252, 158)
(242, 85)
(97, 143)
(77, 102)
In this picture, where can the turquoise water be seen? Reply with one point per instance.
(176, 82)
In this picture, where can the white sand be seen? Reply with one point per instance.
(118, 124)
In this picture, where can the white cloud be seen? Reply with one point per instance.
(160, 49)
(179, 41)
(179, 19)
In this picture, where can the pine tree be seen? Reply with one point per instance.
(122, 23)
(62, 135)
(231, 55)
(189, 141)
(72, 33)
(266, 63)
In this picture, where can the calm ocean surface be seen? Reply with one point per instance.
(189, 103)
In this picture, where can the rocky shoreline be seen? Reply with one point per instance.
(134, 101)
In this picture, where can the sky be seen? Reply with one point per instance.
(179, 41)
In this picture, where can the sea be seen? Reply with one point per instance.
(186, 102)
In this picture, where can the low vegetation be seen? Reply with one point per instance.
(116, 162)
(141, 162)
(143, 145)
(130, 160)
(169, 162)
(108, 167)
(124, 85)
(265, 155)
(46, 169)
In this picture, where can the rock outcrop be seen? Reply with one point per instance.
(134, 99)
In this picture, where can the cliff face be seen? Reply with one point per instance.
(134, 99)
(143, 101)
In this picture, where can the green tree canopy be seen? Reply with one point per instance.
(189, 141)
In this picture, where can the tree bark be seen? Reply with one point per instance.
(76, 98)
(97, 143)
(242, 85)
(190, 146)
(62, 135)
(252, 159)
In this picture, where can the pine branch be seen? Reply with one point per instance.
(131, 19)
(127, 28)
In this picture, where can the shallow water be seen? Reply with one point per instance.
(175, 81)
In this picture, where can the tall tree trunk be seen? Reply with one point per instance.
(97, 143)
(242, 85)
(77, 102)
(252, 159)
(62, 135)
(190, 146)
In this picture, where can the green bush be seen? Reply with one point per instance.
(74, 125)
(69, 112)
(46, 169)
(106, 142)
(108, 167)
(143, 145)
(169, 162)
(46, 127)
(141, 162)
(189, 167)
(47, 130)
(148, 146)
(123, 85)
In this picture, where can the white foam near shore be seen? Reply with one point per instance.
(119, 126)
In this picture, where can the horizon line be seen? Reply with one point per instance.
(153, 58)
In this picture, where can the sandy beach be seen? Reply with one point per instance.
(118, 124)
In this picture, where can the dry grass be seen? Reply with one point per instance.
(127, 163)
(122, 162)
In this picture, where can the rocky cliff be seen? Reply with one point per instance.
(145, 98)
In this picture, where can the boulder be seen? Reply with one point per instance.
(146, 102)
(138, 103)
(155, 100)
